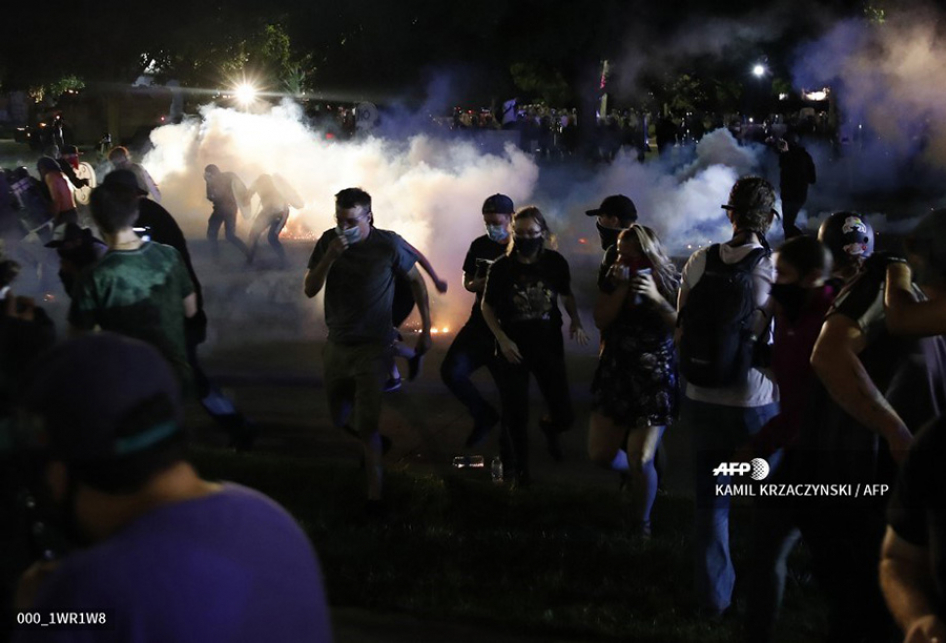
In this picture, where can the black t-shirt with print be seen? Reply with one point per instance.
(483, 251)
(917, 510)
(523, 294)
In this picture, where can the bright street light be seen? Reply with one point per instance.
(758, 71)
(245, 94)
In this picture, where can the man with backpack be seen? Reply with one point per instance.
(724, 317)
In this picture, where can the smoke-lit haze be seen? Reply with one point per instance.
(429, 189)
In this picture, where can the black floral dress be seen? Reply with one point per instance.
(636, 381)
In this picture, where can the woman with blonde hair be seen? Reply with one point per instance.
(635, 390)
(520, 306)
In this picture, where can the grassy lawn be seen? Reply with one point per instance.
(548, 560)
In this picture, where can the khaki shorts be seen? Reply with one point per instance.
(354, 378)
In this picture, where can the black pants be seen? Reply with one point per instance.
(844, 536)
(790, 210)
(543, 355)
(224, 216)
(473, 348)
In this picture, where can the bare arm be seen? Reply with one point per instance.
(315, 277)
(908, 586)
(608, 305)
(55, 196)
(429, 269)
(835, 361)
(190, 305)
(473, 283)
(419, 289)
(906, 315)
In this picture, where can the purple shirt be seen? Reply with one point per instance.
(228, 567)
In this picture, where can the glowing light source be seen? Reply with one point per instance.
(245, 93)
(817, 96)
(759, 70)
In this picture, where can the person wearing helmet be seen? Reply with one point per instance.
(850, 238)
(873, 391)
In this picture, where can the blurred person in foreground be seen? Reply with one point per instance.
(913, 561)
(168, 556)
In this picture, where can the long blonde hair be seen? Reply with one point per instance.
(666, 275)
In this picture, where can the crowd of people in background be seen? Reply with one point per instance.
(822, 358)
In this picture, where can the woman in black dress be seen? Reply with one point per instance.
(635, 392)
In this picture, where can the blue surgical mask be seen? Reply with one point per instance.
(497, 233)
(352, 234)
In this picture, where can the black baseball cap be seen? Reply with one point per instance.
(616, 205)
(498, 204)
(103, 397)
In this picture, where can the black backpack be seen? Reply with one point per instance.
(717, 342)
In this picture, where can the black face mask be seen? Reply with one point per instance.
(792, 299)
(609, 236)
(528, 247)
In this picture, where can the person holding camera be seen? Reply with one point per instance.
(474, 346)
(635, 389)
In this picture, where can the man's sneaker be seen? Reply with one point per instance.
(552, 439)
(393, 384)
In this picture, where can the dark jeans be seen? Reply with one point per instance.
(790, 210)
(543, 355)
(226, 217)
(717, 432)
(275, 222)
(473, 348)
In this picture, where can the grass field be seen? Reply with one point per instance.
(550, 560)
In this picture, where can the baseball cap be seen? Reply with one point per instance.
(616, 205)
(70, 150)
(498, 204)
(124, 178)
(102, 397)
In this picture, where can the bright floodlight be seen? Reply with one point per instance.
(245, 94)
(759, 71)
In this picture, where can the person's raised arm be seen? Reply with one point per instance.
(908, 586)
(835, 361)
(315, 277)
(905, 314)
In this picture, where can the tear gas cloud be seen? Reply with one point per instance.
(888, 81)
(429, 189)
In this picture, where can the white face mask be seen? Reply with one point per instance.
(352, 234)
(497, 233)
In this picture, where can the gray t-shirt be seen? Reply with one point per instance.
(359, 288)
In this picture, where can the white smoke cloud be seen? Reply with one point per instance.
(430, 189)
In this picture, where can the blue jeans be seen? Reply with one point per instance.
(717, 432)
